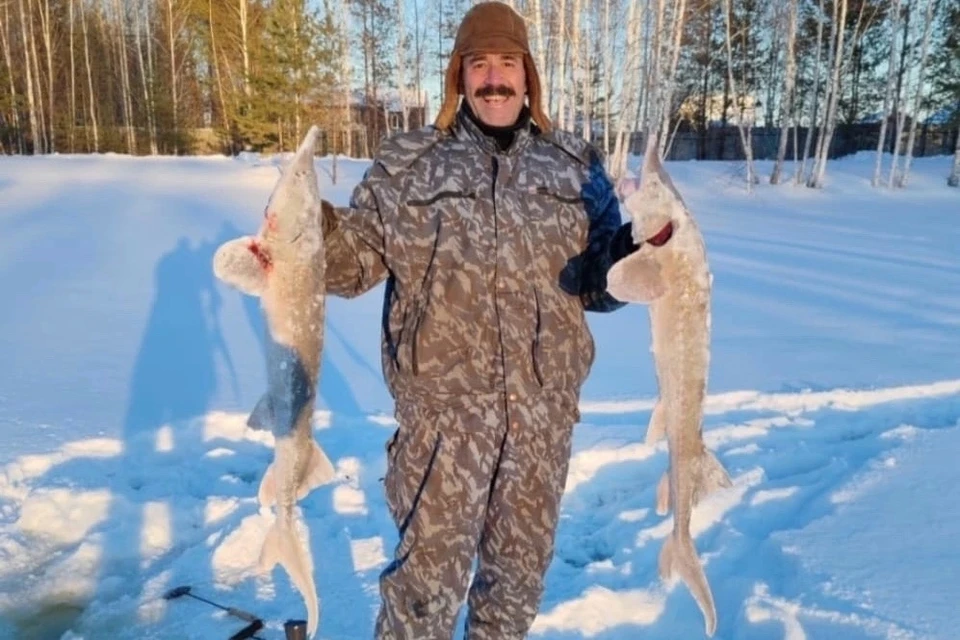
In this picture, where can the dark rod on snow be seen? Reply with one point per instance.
(185, 591)
(248, 631)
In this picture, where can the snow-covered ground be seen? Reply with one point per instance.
(126, 372)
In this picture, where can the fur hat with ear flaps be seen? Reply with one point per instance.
(490, 27)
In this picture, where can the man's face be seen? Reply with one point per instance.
(494, 85)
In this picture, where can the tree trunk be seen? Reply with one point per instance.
(146, 80)
(419, 70)
(815, 102)
(789, 80)
(901, 180)
(654, 74)
(125, 79)
(8, 59)
(90, 95)
(245, 51)
(71, 129)
(346, 76)
(31, 103)
(629, 75)
(562, 43)
(607, 77)
(402, 63)
(224, 117)
(35, 61)
(173, 76)
(540, 49)
(888, 95)
(830, 119)
(679, 13)
(577, 71)
(954, 179)
(743, 124)
(46, 29)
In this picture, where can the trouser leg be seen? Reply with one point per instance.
(518, 536)
(440, 466)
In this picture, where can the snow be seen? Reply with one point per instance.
(128, 371)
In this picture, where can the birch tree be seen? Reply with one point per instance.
(28, 69)
(744, 124)
(815, 102)
(562, 41)
(820, 166)
(902, 78)
(91, 98)
(46, 30)
(888, 93)
(126, 96)
(402, 63)
(42, 131)
(954, 179)
(8, 60)
(902, 176)
(607, 44)
(629, 90)
(789, 81)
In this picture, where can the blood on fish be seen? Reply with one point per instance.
(262, 256)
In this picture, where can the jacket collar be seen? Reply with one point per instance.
(467, 129)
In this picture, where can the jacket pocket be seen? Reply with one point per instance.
(563, 350)
(437, 349)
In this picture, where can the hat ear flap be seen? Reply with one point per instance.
(534, 95)
(451, 94)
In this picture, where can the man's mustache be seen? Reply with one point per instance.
(488, 91)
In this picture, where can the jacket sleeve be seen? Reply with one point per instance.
(603, 211)
(354, 240)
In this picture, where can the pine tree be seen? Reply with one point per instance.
(291, 87)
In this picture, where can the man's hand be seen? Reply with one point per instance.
(621, 245)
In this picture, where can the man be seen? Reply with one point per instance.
(494, 233)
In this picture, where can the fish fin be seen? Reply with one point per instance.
(240, 267)
(285, 547)
(678, 558)
(321, 471)
(636, 278)
(267, 495)
(663, 494)
(657, 427)
(712, 476)
(262, 417)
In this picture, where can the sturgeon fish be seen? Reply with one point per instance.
(671, 273)
(284, 265)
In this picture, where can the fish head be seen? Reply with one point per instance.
(293, 211)
(653, 202)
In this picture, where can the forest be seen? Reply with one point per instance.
(798, 81)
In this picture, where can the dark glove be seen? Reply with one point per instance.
(621, 244)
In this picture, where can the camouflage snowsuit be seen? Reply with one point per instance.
(490, 259)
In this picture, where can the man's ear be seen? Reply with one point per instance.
(626, 186)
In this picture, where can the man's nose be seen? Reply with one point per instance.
(494, 75)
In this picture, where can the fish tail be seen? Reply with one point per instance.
(285, 547)
(679, 558)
